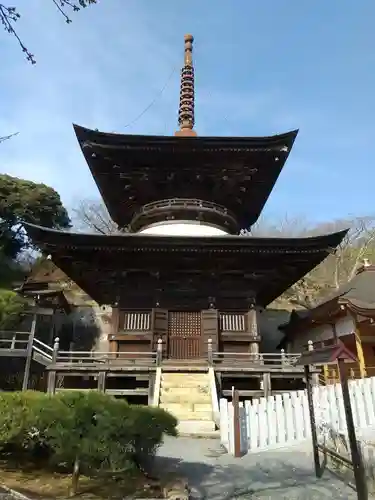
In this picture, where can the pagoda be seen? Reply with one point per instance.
(180, 268)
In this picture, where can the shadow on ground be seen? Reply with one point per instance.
(269, 475)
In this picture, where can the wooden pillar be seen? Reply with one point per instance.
(267, 385)
(210, 332)
(29, 354)
(236, 424)
(325, 367)
(252, 328)
(151, 388)
(159, 327)
(51, 382)
(357, 459)
(358, 343)
(359, 348)
(115, 324)
(314, 376)
(101, 381)
(312, 421)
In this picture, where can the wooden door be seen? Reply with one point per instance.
(184, 335)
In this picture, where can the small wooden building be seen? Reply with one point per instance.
(348, 314)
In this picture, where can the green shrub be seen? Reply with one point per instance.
(85, 431)
(17, 416)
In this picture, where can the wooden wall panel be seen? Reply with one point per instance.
(159, 327)
(210, 330)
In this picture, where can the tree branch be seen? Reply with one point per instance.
(10, 15)
(6, 137)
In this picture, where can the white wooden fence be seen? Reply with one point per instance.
(284, 420)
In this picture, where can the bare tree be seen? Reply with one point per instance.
(336, 270)
(339, 267)
(92, 216)
(284, 227)
(10, 15)
(6, 137)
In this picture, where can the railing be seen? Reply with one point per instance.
(92, 358)
(18, 342)
(241, 358)
(14, 340)
(182, 202)
(43, 349)
(356, 373)
(207, 209)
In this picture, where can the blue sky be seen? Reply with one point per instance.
(262, 67)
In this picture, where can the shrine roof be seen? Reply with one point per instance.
(233, 267)
(131, 171)
(358, 295)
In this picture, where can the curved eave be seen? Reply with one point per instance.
(131, 171)
(44, 236)
(110, 140)
(280, 262)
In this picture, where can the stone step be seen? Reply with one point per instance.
(184, 374)
(201, 379)
(188, 382)
(187, 414)
(197, 428)
(186, 391)
(188, 406)
(175, 397)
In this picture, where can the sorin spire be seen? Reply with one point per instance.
(186, 109)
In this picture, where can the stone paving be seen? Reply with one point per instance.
(281, 474)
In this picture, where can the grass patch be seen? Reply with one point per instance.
(38, 483)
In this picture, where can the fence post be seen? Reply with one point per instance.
(209, 352)
(29, 354)
(236, 424)
(318, 471)
(101, 381)
(267, 384)
(357, 459)
(51, 383)
(314, 376)
(159, 352)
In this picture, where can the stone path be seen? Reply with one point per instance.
(283, 474)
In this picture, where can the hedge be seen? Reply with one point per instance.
(83, 431)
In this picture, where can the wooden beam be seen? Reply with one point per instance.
(359, 348)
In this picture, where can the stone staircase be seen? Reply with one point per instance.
(188, 397)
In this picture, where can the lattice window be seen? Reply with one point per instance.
(232, 322)
(184, 324)
(137, 321)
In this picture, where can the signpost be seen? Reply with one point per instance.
(318, 357)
